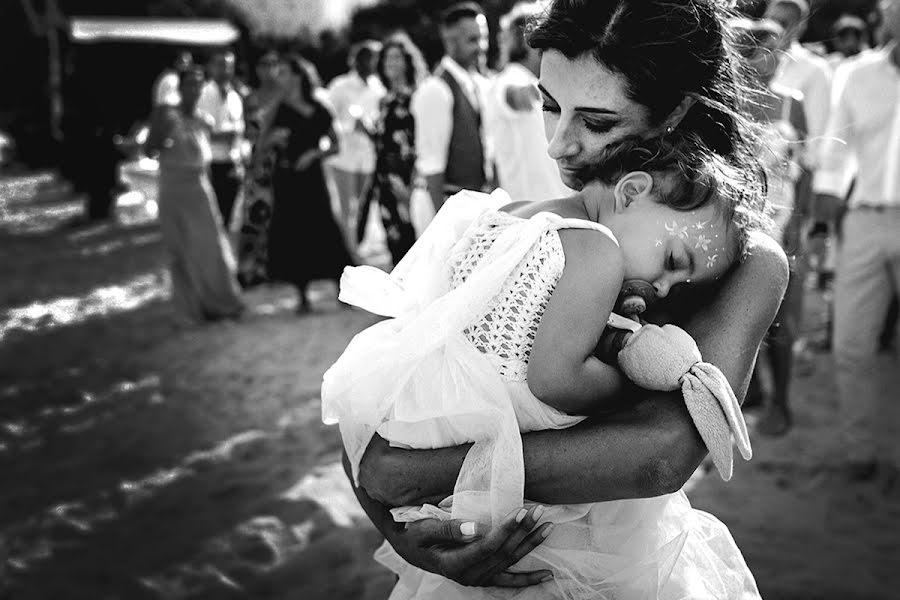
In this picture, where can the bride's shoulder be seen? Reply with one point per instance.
(764, 264)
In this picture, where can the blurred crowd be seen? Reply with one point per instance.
(285, 178)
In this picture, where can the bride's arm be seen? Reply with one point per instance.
(648, 449)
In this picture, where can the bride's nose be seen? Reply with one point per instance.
(564, 143)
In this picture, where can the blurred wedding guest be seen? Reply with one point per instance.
(289, 232)
(780, 112)
(866, 118)
(848, 38)
(401, 68)
(165, 89)
(201, 261)
(222, 102)
(802, 69)
(447, 107)
(355, 97)
(514, 116)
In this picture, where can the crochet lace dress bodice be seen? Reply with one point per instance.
(506, 332)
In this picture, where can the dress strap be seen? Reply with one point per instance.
(573, 223)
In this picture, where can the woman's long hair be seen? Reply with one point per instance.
(416, 70)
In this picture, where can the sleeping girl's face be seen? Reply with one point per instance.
(667, 247)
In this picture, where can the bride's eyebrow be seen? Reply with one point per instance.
(587, 109)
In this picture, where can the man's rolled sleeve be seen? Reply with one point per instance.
(432, 109)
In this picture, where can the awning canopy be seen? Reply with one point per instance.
(188, 32)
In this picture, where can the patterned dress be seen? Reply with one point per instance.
(289, 232)
(395, 151)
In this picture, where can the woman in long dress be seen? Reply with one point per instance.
(201, 260)
(297, 239)
(401, 68)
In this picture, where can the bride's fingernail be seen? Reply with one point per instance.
(521, 515)
(547, 578)
(547, 530)
(467, 528)
(538, 513)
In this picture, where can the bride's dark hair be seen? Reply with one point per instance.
(666, 50)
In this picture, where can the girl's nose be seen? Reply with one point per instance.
(662, 287)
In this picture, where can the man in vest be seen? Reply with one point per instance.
(450, 143)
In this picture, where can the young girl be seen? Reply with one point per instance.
(496, 317)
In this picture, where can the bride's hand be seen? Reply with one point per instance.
(480, 559)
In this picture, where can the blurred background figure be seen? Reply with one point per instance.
(849, 39)
(803, 70)
(515, 116)
(780, 110)
(289, 232)
(450, 135)
(165, 89)
(401, 68)
(355, 98)
(202, 265)
(221, 101)
(866, 118)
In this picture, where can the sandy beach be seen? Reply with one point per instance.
(144, 459)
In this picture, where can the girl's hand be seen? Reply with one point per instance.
(480, 558)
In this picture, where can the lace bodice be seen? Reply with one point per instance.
(505, 334)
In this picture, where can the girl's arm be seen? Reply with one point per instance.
(648, 449)
(562, 370)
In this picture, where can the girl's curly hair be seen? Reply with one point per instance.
(688, 176)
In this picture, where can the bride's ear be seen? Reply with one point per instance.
(633, 187)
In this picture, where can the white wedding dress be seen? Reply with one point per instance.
(450, 367)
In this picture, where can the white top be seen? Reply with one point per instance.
(227, 112)
(352, 98)
(865, 117)
(432, 108)
(524, 168)
(165, 90)
(809, 74)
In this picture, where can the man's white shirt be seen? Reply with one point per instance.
(865, 120)
(808, 73)
(350, 98)
(226, 108)
(524, 168)
(432, 109)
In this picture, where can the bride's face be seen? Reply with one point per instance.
(586, 108)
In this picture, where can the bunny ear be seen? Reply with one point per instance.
(710, 422)
(715, 380)
(717, 415)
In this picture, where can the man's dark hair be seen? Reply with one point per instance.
(459, 11)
